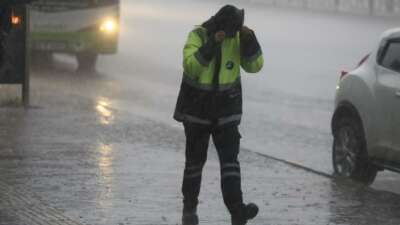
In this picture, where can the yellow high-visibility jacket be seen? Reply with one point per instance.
(211, 92)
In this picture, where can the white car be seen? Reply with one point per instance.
(366, 121)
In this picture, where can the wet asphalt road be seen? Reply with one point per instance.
(78, 155)
(102, 147)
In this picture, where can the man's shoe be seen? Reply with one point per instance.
(246, 213)
(190, 218)
(251, 211)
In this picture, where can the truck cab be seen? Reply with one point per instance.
(82, 28)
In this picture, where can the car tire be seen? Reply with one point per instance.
(349, 152)
(87, 61)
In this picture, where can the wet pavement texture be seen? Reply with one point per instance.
(94, 164)
(102, 148)
(17, 207)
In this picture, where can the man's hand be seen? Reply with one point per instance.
(220, 36)
(245, 31)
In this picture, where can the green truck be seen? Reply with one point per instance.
(82, 28)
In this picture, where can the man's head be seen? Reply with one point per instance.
(229, 19)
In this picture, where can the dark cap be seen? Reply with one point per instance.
(229, 19)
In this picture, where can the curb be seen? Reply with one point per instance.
(292, 164)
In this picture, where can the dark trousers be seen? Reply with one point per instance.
(227, 143)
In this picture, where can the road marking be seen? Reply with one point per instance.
(292, 164)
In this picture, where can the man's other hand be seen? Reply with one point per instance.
(220, 36)
(245, 31)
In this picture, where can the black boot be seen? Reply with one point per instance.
(245, 213)
(190, 217)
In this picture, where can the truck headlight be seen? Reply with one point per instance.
(109, 26)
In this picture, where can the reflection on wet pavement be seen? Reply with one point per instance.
(105, 164)
(104, 111)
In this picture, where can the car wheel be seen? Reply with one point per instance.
(87, 61)
(350, 156)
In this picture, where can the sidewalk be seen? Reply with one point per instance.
(18, 208)
(81, 161)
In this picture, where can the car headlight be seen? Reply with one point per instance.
(109, 26)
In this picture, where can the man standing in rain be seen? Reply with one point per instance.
(210, 104)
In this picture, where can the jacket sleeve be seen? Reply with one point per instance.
(252, 60)
(196, 55)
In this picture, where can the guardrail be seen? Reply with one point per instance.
(370, 7)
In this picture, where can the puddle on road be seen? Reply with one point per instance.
(104, 111)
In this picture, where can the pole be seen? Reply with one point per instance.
(371, 7)
(389, 6)
(305, 4)
(337, 5)
(26, 81)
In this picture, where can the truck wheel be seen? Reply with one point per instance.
(87, 61)
(349, 154)
(41, 58)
